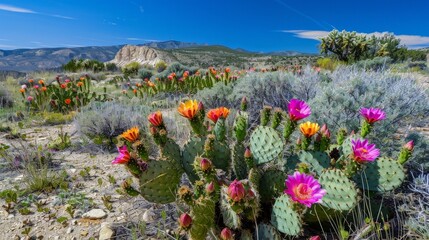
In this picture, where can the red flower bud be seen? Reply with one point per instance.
(205, 164)
(236, 191)
(409, 145)
(315, 238)
(247, 153)
(226, 234)
(210, 187)
(185, 220)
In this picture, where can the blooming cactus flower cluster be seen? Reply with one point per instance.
(304, 189)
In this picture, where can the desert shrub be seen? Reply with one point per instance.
(177, 68)
(6, 100)
(75, 65)
(105, 121)
(326, 63)
(145, 73)
(377, 63)
(218, 95)
(111, 67)
(131, 69)
(275, 89)
(160, 66)
(337, 103)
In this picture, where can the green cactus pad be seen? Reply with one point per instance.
(240, 127)
(160, 181)
(267, 232)
(230, 218)
(222, 156)
(265, 144)
(346, 147)
(382, 175)
(195, 147)
(254, 178)
(284, 218)
(341, 193)
(238, 162)
(317, 161)
(271, 184)
(171, 151)
(203, 218)
(220, 130)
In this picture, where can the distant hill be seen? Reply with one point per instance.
(202, 55)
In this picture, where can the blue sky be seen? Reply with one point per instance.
(265, 25)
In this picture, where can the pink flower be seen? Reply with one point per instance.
(185, 220)
(205, 164)
(36, 86)
(210, 188)
(67, 80)
(304, 189)
(372, 115)
(23, 86)
(364, 152)
(298, 110)
(315, 238)
(409, 145)
(236, 191)
(226, 234)
(30, 98)
(124, 156)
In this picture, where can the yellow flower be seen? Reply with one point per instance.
(131, 135)
(188, 109)
(308, 129)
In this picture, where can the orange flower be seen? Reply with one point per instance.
(30, 80)
(82, 78)
(44, 89)
(67, 101)
(22, 90)
(63, 86)
(41, 82)
(131, 135)
(150, 84)
(135, 91)
(188, 109)
(227, 70)
(185, 74)
(124, 91)
(215, 114)
(79, 84)
(155, 119)
(309, 128)
(213, 71)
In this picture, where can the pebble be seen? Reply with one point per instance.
(18, 178)
(84, 233)
(95, 214)
(106, 232)
(69, 230)
(10, 216)
(148, 216)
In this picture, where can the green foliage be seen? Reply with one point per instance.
(75, 65)
(6, 100)
(266, 145)
(284, 218)
(160, 66)
(176, 68)
(54, 118)
(111, 67)
(131, 69)
(375, 64)
(327, 63)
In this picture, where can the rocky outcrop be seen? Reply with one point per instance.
(140, 54)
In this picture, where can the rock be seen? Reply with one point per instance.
(140, 54)
(84, 233)
(18, 178)
(77, 213)
(106, 232)
(74, 222)
(69, 230)
(56, 238)
(148, 216)
(10, 216)
(95, 214)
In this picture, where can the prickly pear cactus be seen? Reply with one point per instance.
(171, 151)
(266, 144)
(240, 126)
(316, 161)
(160, 181)
(230, 218)
(284, 218)
(271, 184)
(267, 232)
(194, 148)
(238, 162)
(341, 193)
(203, 218)
(382, 175)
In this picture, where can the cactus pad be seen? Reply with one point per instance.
(203, 218)
(317, 161)
(240, 127)
(230, 218)
(171, 151)
(238, 162)
(160, 181)
(382, 175)
(271, 184)
(265, 144)
(284, 218)
(341, 193)
(195, 147)
(267, 232)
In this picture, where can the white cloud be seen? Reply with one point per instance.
(61, 16)
(408, 40)
(9, 8)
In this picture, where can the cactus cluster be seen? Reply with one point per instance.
(237, 179)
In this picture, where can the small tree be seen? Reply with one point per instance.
(131, 69)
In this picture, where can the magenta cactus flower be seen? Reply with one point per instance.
(124, 156)
(372, 115)
(236, 191)
(304, 189)
(30, 98)
(185, 220)
(363, 151)
(298, 110)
